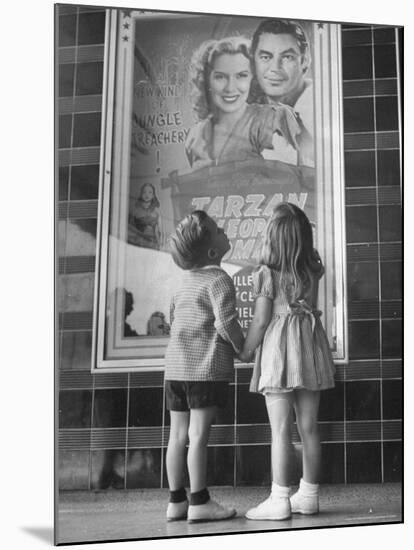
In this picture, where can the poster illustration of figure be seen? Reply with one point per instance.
(219, 115)
(244, 144)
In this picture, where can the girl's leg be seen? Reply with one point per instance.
(279, 408)
(176, 450)
(198, 432)
(306, 408)
(277, 506)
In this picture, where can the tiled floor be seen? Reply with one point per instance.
(140, 514)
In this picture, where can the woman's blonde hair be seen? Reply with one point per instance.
(288, 249)
(201, 66)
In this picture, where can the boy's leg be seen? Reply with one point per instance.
(198, 432)
(175, 464)
(176, 450)
(202, 508)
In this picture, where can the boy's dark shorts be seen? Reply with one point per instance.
(182, 396)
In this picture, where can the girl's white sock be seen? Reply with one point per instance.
(279, 490)
(308, 489)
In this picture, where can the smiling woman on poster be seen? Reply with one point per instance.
(229, 129)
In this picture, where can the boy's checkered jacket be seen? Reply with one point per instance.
(205, 332)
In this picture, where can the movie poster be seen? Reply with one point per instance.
(222, 114)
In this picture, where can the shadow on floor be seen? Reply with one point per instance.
(44, 534)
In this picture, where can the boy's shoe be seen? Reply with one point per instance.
(210, 511)
(304, 504)
(177, 510)
(273, 508)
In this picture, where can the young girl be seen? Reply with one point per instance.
(144, 219)
(293, 362)
(199, 361)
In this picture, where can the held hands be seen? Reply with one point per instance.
(246, 355)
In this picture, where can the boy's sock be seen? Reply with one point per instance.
(200, 497)
(179, 495)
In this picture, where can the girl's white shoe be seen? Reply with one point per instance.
(304, 504)
(273, 508)
(306, 499)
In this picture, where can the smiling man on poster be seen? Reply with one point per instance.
(282, 59)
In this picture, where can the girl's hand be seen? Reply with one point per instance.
(245, 356)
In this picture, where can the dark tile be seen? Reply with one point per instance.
(67, 30)
(89, 78)
(84, 182)
(110, 408)
(388, 162)
(73, 470)
(363, 400)
(63, 182)
(251, 407)
(75, 351)
(361, 224)
(385, 35)
(385, 57)
(391, 280)
(392, 396)
(86, 129)
(91, 28)
(66, 76)
(363, 281)
(108, 469)
(145, 407)
(358, 115)
(65, 130)
(387, 113)
(75, 409)
(390, 223)
(363, 462)
(332, 463)
(359, 35)
(220, 466)
(332, 403)
(253, 465)
(363, 339)
(359, 168)
(392, 338)
(357, 63)
(393, 461)
(143, 469)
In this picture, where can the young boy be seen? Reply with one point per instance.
(199, 361)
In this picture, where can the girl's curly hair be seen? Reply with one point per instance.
(202, 63)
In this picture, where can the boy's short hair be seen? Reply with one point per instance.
(190, 241)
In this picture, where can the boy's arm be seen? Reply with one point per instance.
(257, 328)
(223, 299)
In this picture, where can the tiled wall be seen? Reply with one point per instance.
(113, 427)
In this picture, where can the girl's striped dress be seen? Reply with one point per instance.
(295, 350)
